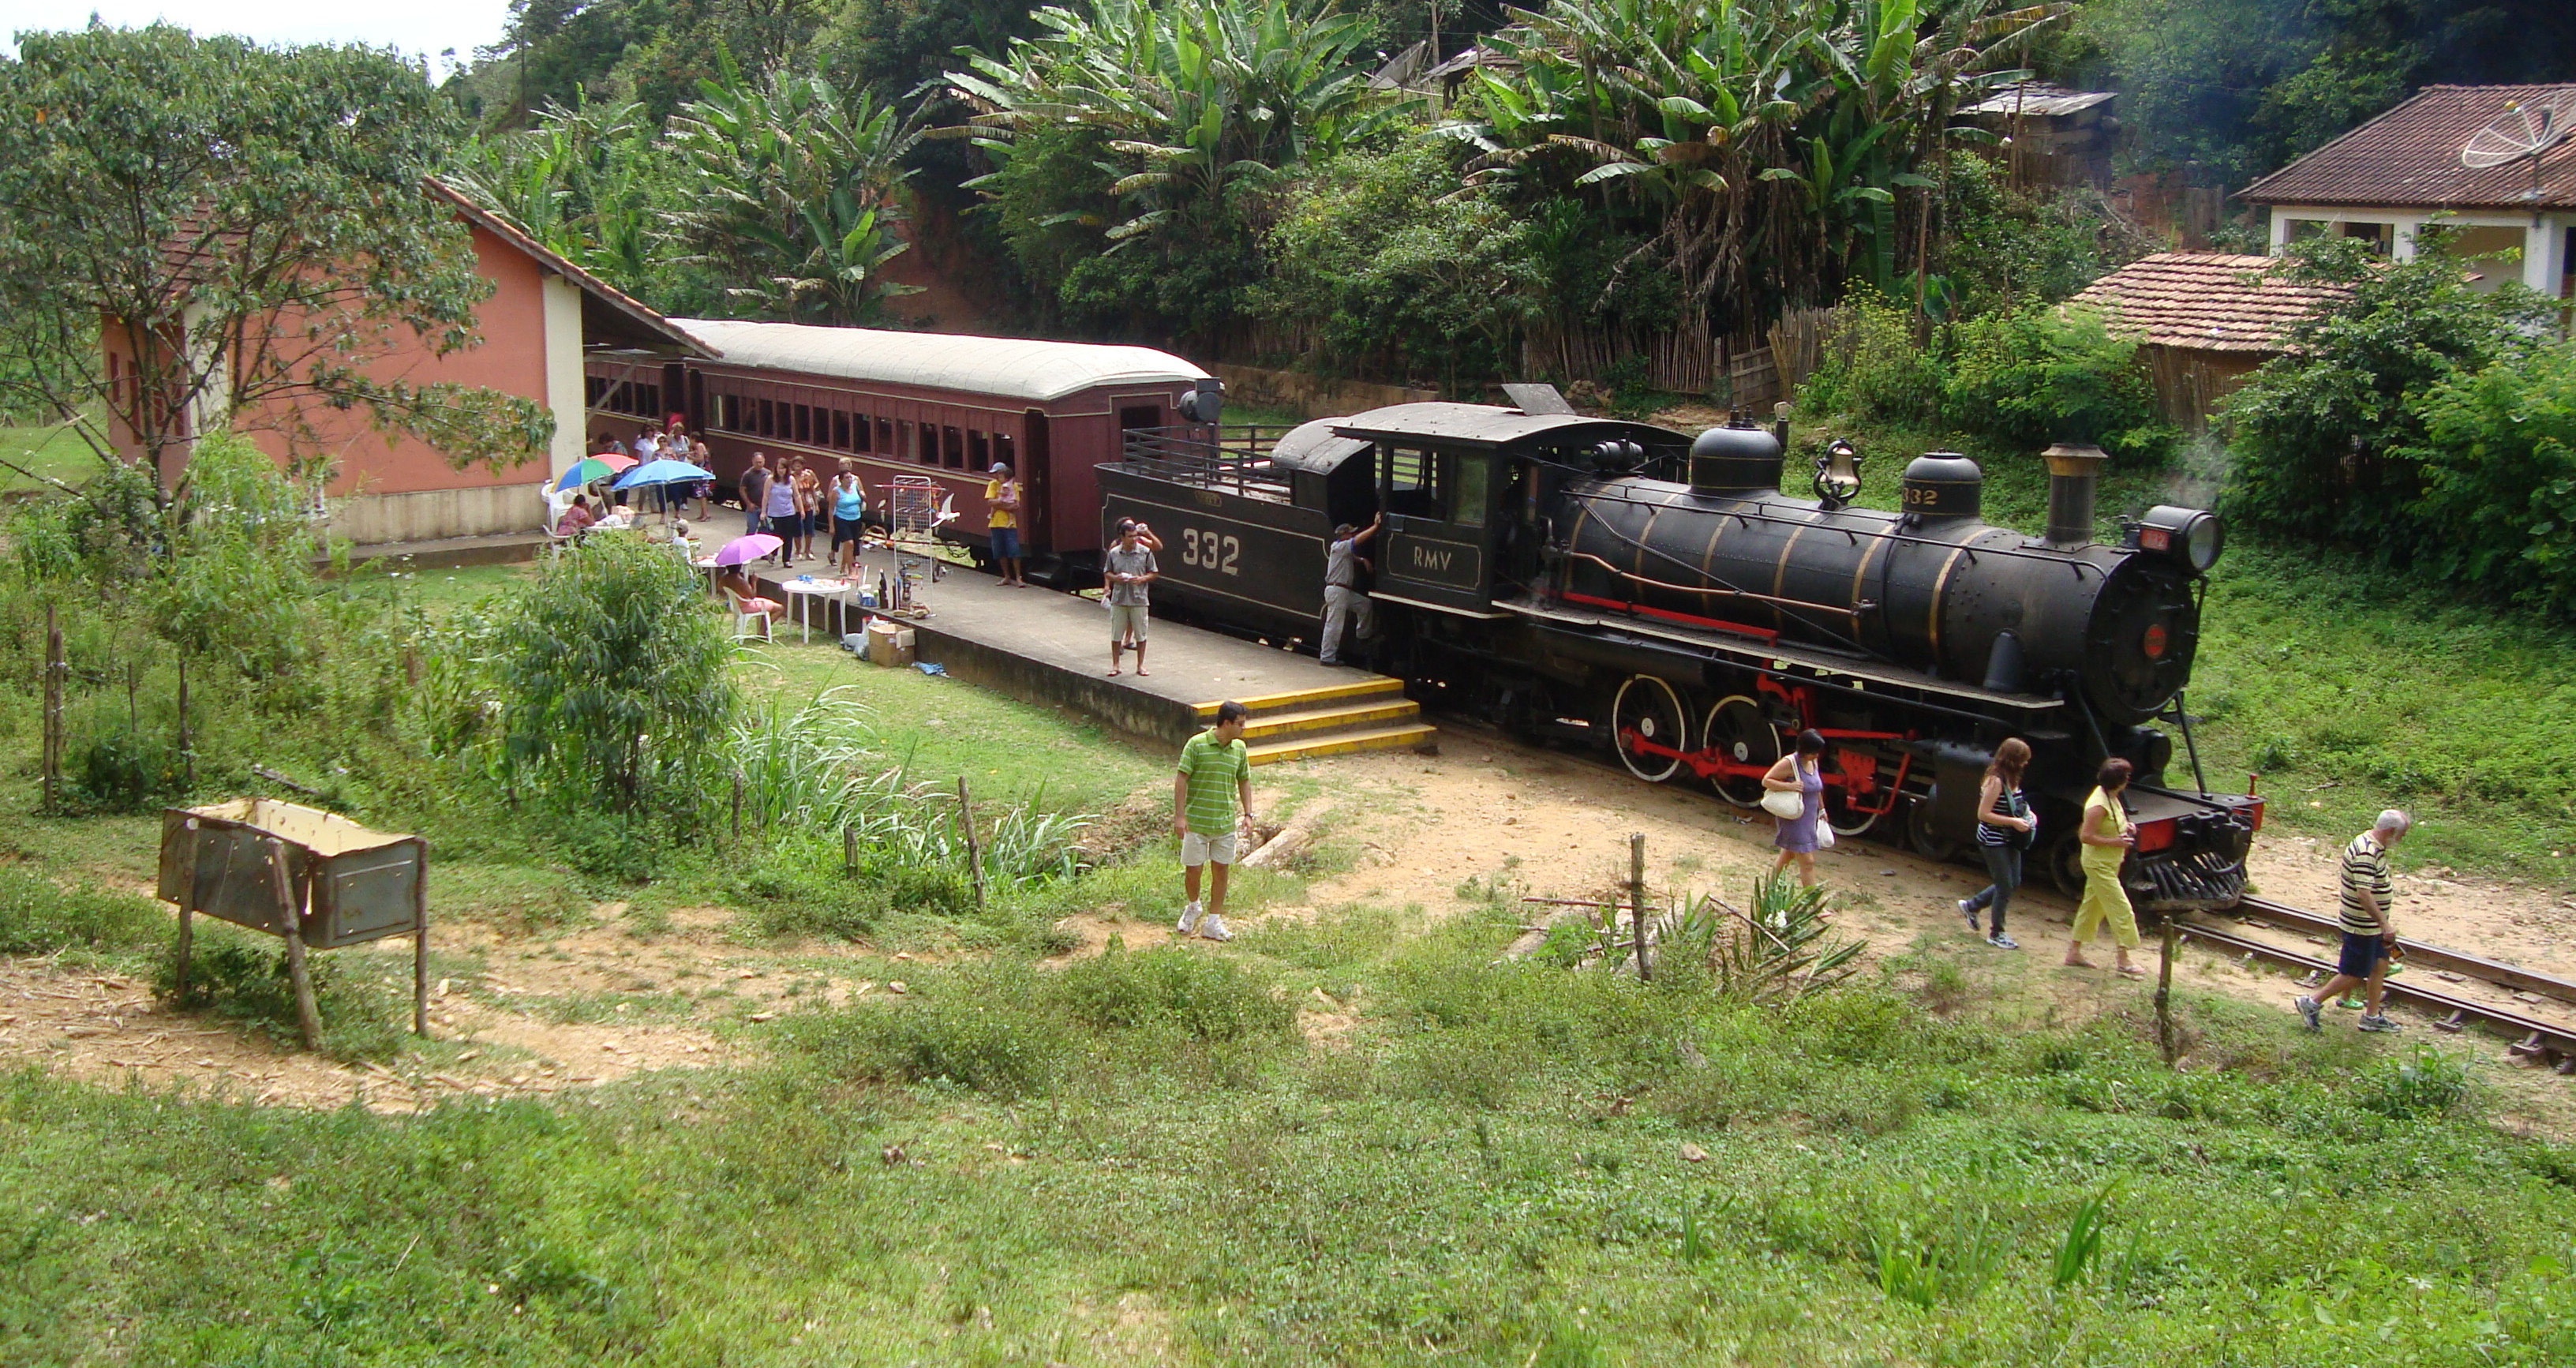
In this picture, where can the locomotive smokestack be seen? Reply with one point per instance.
(2073, 471)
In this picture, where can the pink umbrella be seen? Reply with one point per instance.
(743, 550)
(614, 461)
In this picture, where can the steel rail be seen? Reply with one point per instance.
(2539, 1039)
(2497, 972)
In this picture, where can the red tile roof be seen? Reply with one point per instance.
(2409, 158)
(2205, 301)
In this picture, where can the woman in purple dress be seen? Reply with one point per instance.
(1800, 772)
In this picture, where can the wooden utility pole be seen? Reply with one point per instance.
(1637, 901)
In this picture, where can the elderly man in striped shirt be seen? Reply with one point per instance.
(2369, 934)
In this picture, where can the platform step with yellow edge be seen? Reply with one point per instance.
(1368, 713)
(1403, 736)
(1367, 690)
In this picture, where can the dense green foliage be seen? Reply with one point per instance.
(172, 198)
(2336, 440)
(2235, 88)
(2017, 378)
(2499, 465)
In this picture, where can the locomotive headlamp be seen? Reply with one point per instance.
(2191, 537)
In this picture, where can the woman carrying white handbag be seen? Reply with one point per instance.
(1794, 792)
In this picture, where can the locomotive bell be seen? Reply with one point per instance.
(1943, 484)
(1735, 459)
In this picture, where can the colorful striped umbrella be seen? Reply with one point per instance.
(584, 471)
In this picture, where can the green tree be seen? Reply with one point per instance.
(615, 691)
(1178, 108)
(2322, 434)
(1768, 142)
(2499, 464)
(593, 182)
(246, 228)
(2042, 374)
(790, 194)
(1385, 263)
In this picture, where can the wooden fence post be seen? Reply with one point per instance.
(1637, 900)
(53, 720)
(2167, 1039)
(974, 851)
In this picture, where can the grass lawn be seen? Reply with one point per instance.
(1140, 1158)
(1363, 1137)
(55, 452)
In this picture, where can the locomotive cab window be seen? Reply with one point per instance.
(1469, 487)
(1412, 481)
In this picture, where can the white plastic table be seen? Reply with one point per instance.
(809, 589)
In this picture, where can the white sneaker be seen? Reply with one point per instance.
(1213, 928)
(1189, 921)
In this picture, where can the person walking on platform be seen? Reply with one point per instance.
(2004, 827)
(1799, 772)
(2108, 836)
(2369, 932)
(1129, 568)
(1003, 525)
(1215, 772)
(755, 493)
(1346, 601)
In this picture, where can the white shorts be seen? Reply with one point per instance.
(1197, 850)
(1125, 620)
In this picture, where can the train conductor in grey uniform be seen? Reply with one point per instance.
(1345, 602)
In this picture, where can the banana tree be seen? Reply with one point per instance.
(1191, 97)
(791, 194)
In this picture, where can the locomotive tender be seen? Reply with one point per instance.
(1661, 596)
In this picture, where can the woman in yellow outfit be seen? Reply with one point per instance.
(2108, 836)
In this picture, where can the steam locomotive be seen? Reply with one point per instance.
(1659, 597)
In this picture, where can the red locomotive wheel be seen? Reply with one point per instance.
(1649, 728)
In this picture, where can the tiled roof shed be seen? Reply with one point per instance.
(2409, 158)
(2205, 301)
(2204, 320)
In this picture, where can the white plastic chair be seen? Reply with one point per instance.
(744, 615)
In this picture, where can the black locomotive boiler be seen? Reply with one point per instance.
(1662, 597)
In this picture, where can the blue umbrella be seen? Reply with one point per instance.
(662, 472)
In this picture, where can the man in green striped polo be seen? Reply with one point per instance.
(1211, 797)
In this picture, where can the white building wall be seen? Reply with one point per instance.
(2544, 248)
(564, 390)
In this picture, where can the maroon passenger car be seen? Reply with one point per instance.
(899, 403)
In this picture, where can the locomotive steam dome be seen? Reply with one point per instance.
(1734, 459)
(1944, 484)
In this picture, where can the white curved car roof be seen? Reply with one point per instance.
(1020, 368)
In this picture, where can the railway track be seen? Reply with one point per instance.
(2535, 1039)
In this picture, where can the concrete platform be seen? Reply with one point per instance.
(1048, 647)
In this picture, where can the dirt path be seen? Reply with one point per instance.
(1487, 822)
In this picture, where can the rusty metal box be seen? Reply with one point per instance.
(356, 884)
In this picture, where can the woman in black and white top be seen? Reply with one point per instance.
(2004, 827)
